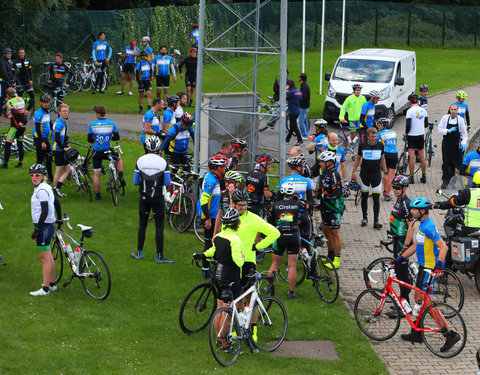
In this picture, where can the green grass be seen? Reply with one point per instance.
(136, 329)
(440, 69)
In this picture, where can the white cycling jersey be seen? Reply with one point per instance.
(417, 116)
(43, 192)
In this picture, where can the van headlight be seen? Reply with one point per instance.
(330, 91)
(385, 93)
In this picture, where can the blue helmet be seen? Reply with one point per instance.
(420, 202)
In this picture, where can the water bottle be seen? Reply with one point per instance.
(392, 272)
(247, 311)
(69, 251)
(414, 268)
(304, 253)
(406, 306)
(416, 308)
(78, 253)
(168, 197)
(241, 318)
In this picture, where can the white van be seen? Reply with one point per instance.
(391, 72)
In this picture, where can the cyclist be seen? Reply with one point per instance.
(169, 114)
(190, 63)
(101, 54)
(208, 203)
(339, 154)
(286, 215)
(129, 54)
(371, 159)
(59, 147)
(239, 149)
(41, 134)
(367, 114)
(463, 111)
(23, 66)
(58, 76)
(257, 185)
(232, 179)
(151, 175)
(151, 122)
(18, 115)
(162, 64)
(296, 151)
(431, 251)
(401, 225)
(389, 139)
(331, 205)
(423, 100)
(177, 139)
(43, 206)
(454, 143)
(100, 133)
(318, 143)
(7, 78)
(147, 48)
(471, 163)
(144, 72)
(294, 98)
(351, 110)
(182, 103)
(194, 35)
(417, 120)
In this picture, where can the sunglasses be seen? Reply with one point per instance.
(36, 175)
(397, 187)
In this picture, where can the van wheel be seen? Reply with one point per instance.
(477, 276)
(391, 115)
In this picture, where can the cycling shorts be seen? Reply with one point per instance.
(247, 269)
(13, 133)
(190, 81)
(291, 243)
(422, 279)
(45, 234)
(98, 156)
(59, 157)
(331, 219)
(144, 85)
(102, 65)
(163, 81)
(371, 179)
(416, 142)
(128, 68)
(391, 159)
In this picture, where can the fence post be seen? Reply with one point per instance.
(443, 29)
(408, 27)
(376, 26)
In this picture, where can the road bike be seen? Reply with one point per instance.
(270, 114)
(57, 95)
(352, 187)
(44, 77)
(441, 326)
(344, 139)
(429, 146)
(261, 326)
(88, 266)
(114, 186)
(79, 176)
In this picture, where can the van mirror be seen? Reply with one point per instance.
(399, 81)
(327, 76)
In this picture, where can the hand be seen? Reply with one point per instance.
(174, 79)
(438, 270)
(34, 234)
(30, 83)
(208, 224)
(354, 176)
(405, 137)
(312, 138)
(452, 129)
(399, 260)
(181, 75)
(463, 147)
(134, 44)
(199, 256)
(107, 60)
(44, 146)
(343, 121)
(96, 63)
(436, 205)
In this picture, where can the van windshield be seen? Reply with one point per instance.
(364, 70)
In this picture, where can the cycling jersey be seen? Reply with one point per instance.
(162, 65)
(151, 55)
(178, 139)
(353, 107)
(331, 196)
(427, 251)
(190, 65)
(256, 185)
(168, 118)
(423, 102)
(209, 201)
(60, 131)
(195, 34)
(151, 118)
(224, 200)
(102, 132)
(339, 154)
(6, 71)
(58, 73)
(227, 250)
(285, 215)
(389, 140)
(400, 216)
(16, 111)
(130, 52)
(151, 174)
(417, 117)
(101, 50)
(462, 109)
(303, 186)
(43, 124)
(144, 70)
(472, 161)
(371, 157)
(24, 68)
(232, 164)
(43, 192)
(367, 114)
(321, 141)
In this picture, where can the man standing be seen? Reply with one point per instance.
(304, 106)
(41, 134)
(239, 149)
(417, 120)
(257, 184)
(58, 75)
(162, 64)
(101, 54)
(147, 48)
(25, 76)
(194, 35)
(129, 54)
(182, 102)
(6, 73)
(177, 140)
(151, 122)
(351, 110)
(454, 142)
(367, 113)
(389, 139)
(423, 100)
(294, 98)
(169, 114)
(59, 146)
(144, 73)
(190, 63)
(463, 111)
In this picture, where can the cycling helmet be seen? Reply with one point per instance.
(71, 154)
(374, 94)
(476, 178)
(153, 143)
(6, 51)
(413, 98)
(421, 203)
(327, 156)
(217, 160)
(288, 188)
(423, 88)
(143, 53)
(37, 169)
(400, 180)
(193, 49)
(187, 119)
(238, 143)
(239, 195)
(45, 98)
(233, 176)
(356, 86)
(194, 25)
(385, 122)
(321, 123)
(296, 161)
(146, 39)
(172, 99)
(462, 95)
(263, 159)
(230, 216)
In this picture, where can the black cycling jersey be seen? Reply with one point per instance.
(24, 68)
(257, 184)
(423, 102)
(285, 215)
(232, 164)
(224, 200)
(226, 267)
(58, 73)
(371, 157)
(151, 168)
(330, 192)
(400, 216)
(6, 71)
(191, 66)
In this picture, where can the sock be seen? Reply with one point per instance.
(59, 184)
(52, 284)
(140, 253)
(120, 174)
(45, 288)
(97, 193)
(331, 254)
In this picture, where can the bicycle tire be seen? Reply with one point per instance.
(198, 229)
(325, 280)
(433, 337)
(13, 151)
(75, 84)
(84, 185)
(42, 78)
(195, 311)
(272, 324)
(377, 264)
(28, 145)
(182, 213)
(358, 197)
(86, 82)
(94, 275)
(449, 289)
(301, 274)
(402, 164)
(375, 324)
(57, 255)
(113, 185)
(226, 323)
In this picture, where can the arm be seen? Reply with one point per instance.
(409, 236)
(90, 138)
(408, 125)
(136, 178)
(442, 126)
(344, 170)
(311, 147)
(425, 124)
(463, 170)
(192, 133)
(166, 178)
(58, 140)
(383, 163)
(462, 128)
(94, 53)
(148, 128)
(58, 208)
(443, 249)
(218, 223)
(357, 162)
(269, 231)
(467, 118)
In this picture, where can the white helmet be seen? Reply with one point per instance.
(146, 39)
(288, 188)
(327, 156)
(153, 143)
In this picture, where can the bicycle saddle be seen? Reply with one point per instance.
(83, 227)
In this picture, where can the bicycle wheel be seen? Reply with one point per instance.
(57, 255)
(428, 150)
(221, 327)
(94, 275)
(449, 289)
(382, 277)
(358, 197)
(84, 185)
(76, 83)
(198, 228)
(370, 317)
(325, 280)
(113, 184)
(402, 165)
(272, 324)
(182, 213)
(435, 337)
(42, 79)
(301, 272)
(86, 81)
(197, 308)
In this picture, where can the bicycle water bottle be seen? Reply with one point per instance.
(246, 312)
(416, 308)
(78, 253)
(69, 251)
(406, 306)
(392, 272)
(414, 268)
(241, 318)
(304, 253)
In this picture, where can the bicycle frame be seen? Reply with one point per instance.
(349, 148)
(59, 233)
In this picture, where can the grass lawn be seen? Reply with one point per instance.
(136, 329)
(440, 69)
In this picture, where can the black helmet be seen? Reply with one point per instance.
(153, 143)
(45, 98)
(6, 51)
(37, 169)
(172, 99)
(423, 88)
(296, 161)
(143, 53)
(230, 216)
(400, 181)
(385, 122)
(413, 98)
(239, 195)
(356, 86)
(71, 154)
(187, 119)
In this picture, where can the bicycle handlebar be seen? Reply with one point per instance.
(66, 221)
(119, 148)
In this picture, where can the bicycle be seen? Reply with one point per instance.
(114, 185)
(447, 288)
(429, 146)
(437, 320)
(314, 267)
(57, 95)
(271, 115)
(229, 326)
(79, 177)
(352, 186)
(403, 161)
(44, 77)
(344, 139)
(87, 265)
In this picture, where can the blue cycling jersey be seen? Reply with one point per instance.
(462, 109)
(389, 140)
(151, 55)
(42, 117)
(151, 118)
(130, 59)
(322, 141)
(427, 251)
(339, 155)
(195, 35)
(302, 184)
(472, 161)
(162, 65)
(368, 109)
(60, 126)
(101, 50)
(145, 69)
(102, 131)
(168, 118)
(180, 138)
(211, 192)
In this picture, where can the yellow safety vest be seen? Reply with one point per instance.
(472, 210)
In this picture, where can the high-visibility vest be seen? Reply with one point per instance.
(472, 209)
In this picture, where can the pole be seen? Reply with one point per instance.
(283, 81)
(322, 42)
(303, 34)
(254, 88)
(343, 26)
